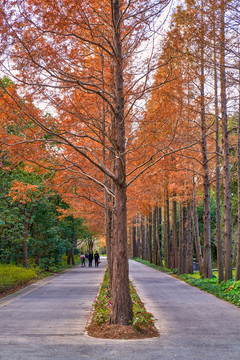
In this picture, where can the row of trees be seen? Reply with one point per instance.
(202, 100)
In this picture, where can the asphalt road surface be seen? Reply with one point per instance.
(47, 320)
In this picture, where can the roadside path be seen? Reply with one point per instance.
(193, 324)
(47, 320)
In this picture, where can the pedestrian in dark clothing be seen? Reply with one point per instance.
(96, 258)
(90, 259)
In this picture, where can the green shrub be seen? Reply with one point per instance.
(229, 291)
(12, 276)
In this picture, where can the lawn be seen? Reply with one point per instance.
(141, 327)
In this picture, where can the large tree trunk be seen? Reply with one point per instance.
(121, 310)
(226, 164)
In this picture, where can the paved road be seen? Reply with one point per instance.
(192, 323)
(47, 320)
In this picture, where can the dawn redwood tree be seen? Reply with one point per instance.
(155, 242)
(57, 50)
(174, 235)
(214, 19)
(167, 243)
(225, 141)
(196, 230)
(205, 161)
(237, 276)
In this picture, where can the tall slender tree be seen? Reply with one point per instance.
(225, 140)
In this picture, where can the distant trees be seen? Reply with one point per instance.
(201, 48)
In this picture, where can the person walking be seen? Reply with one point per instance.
(96, 258)
(90, 258)
(82, 259)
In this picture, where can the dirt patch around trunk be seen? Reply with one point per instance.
(124, 332)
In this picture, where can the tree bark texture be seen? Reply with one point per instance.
(134, 240)
(206, 182)
(189, 265)
(226, 163)
(160, 235)
(237, 276)
(149, 237)
(155, 244)
(25, 244)
(138, 236)
(121, 309)
(198, 247)
(174, 235)
(181, 234)
(167, 248)
(109, 237)
(70, 258)
(218, 179)
(143, 237)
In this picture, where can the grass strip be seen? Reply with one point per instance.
(142, 325)
(102, 306)
(229, 290)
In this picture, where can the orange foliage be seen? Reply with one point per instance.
(23, 193)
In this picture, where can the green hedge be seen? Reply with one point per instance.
(12, 276)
